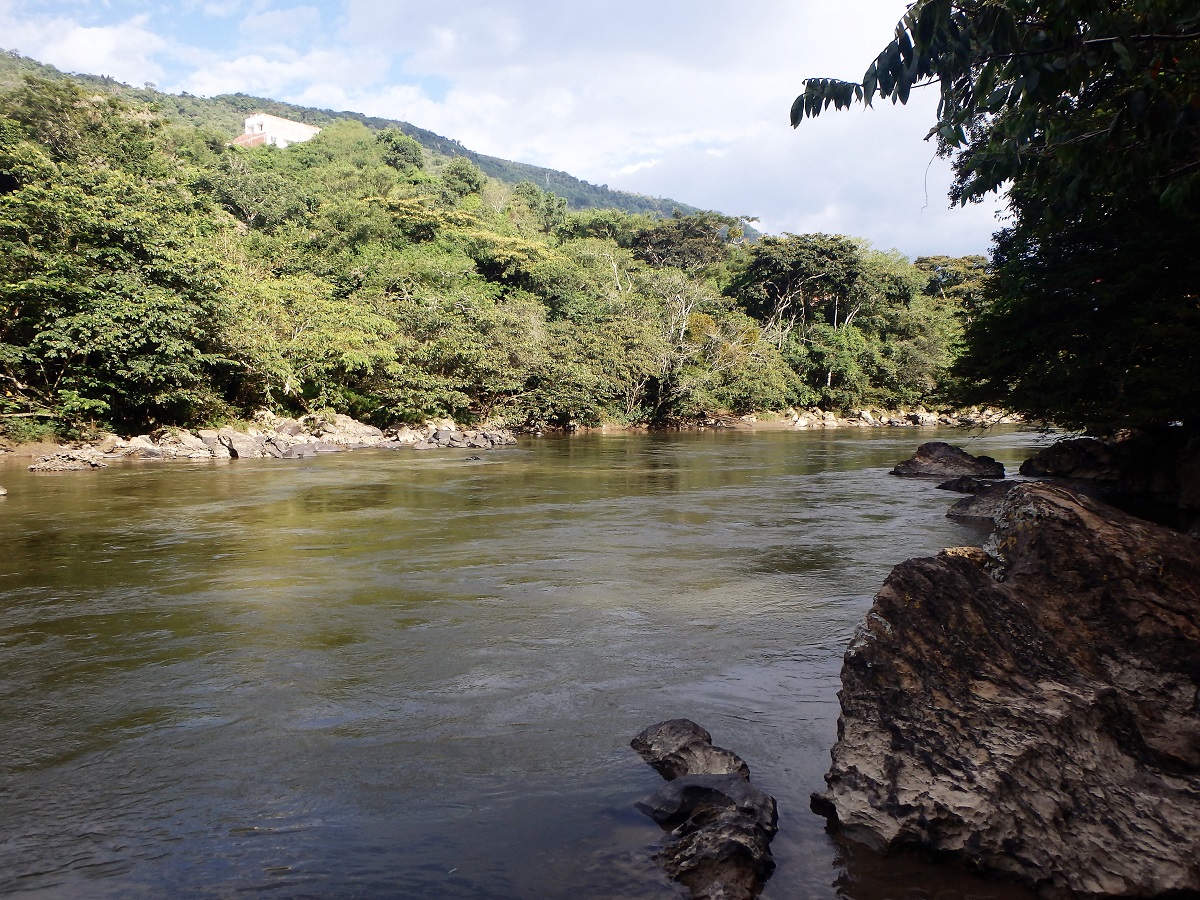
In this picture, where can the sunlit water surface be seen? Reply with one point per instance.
(414, 675)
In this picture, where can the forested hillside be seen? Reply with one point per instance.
(226, 114)
(154, 274)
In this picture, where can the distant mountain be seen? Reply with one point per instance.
(226, 112)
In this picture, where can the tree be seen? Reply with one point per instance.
(400, 151)
(544, 210)
(109, 309)
(462, 177)
(1088, 113)
(794, 280)
(692, 243)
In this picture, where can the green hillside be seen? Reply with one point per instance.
(225, 113)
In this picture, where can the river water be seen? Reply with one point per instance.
(415, 675)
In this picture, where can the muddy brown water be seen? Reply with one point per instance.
(413, 675)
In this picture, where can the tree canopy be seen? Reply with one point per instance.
(1087, 112)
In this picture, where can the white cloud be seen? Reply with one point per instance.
(125, 50)
(280, 73)
(638, 167)
(280, 25)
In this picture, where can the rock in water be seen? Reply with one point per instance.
(681, 747)
(1031, 708)
(720, 825)
(944, 461)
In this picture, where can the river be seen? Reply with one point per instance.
(396, 674)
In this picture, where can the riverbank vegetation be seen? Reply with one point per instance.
(155, 275)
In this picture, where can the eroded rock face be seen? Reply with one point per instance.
(937, 458)
(1032, 708)
(720, 825)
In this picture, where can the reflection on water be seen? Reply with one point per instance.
(396, 674)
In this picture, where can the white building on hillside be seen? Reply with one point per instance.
(264, 129)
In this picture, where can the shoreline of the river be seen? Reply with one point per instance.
(345, 434)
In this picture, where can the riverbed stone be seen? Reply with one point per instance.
(1029, 708)
(679, 747)
(937, 458)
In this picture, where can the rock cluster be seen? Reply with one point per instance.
(69, 461)
(720, 826)
(1030, 707)
(452, 438)
(939, 459)
(273, 437)
(866, 418)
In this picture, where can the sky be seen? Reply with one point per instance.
(685, 99)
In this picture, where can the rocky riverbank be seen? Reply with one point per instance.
(271, 437)
(919, 418)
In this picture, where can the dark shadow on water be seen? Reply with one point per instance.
(863, 874)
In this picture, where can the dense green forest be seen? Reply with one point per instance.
(155, 275)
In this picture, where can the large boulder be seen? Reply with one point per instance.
(937, 458)
(241, 445)
(1030, 707)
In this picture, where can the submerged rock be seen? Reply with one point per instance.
(1031, 708)
(681, 747)
(720, 825)
(964, 484)
(943, 460)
